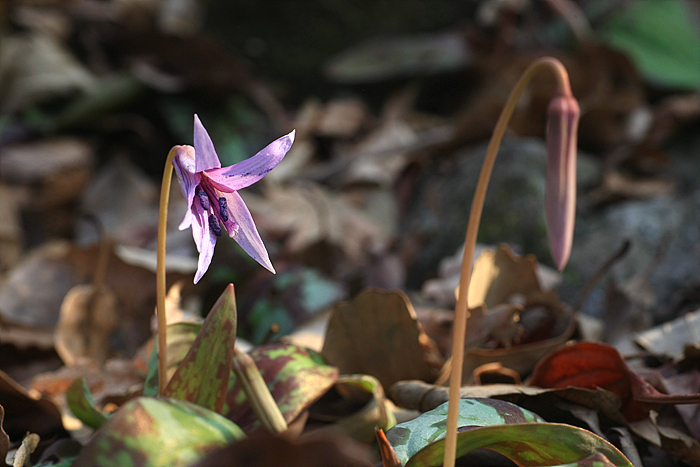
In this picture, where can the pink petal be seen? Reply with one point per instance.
(206, 158)
(560, 192)
(247, 234)
(204, 238)
(249, 171)
(183, 163)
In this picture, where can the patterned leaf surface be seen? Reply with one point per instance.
(410, 437)
(149, 432)
(529, 445)
(203, 375)
(81, 404)
(180, 337)
(503, 427)
(296, 377)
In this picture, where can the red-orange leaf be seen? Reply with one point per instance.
(594, 365)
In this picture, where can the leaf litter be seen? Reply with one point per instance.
(340, 215)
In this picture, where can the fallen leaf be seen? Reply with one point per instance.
(26, 414)
(10, 230)
(671, 338)
(87, 319)
(4, 439)
(592, 365)
(377, 333)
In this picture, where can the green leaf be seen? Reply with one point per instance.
(528, 445)
(203, 375)
(157, 433)
(410, 437)
(661, 40)
(297, 377)
(503, 427)
(81, 404)
(180, 337)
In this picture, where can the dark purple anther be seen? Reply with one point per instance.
(203, 198)
(223, 209)
(214, 224)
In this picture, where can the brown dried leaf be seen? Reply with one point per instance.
(378, 334)
(10, 231)
(88, 317)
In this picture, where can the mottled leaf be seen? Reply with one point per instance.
(203, 376)
(180, 337)
(529, 445)
(157, 433)
(80, 401)
(296, 377)
(410, 437)
(500, 426)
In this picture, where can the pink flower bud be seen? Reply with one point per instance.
(560, 193)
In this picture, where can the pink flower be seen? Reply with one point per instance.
(212, 195)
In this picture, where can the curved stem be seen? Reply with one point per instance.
(160, 271)
(461, 310)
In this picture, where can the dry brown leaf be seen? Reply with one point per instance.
(88, 317)
(310, 214)
(378, 334)
(671, 440)
(47, 173)
(10, 231)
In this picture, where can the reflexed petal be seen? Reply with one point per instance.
(183, 163)
(247, 235)
(560, 192)
(205, 240)
(249, 171)
(206, 157)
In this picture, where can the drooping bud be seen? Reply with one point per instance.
(560, 193)
(223, 209)
(214, 225)
(203, 198)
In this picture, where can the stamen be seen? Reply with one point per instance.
(203, 198)
(214, 224)
(223, 209)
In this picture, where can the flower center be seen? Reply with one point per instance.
(216, 207)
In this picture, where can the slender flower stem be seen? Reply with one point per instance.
(160, 270)
(461, 310)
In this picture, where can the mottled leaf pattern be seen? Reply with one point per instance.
(79, 399)
(180, 337)
(296, 377)
(529, 445)
(157, 433)
(203, 375)
(518, 434)
(410, 437)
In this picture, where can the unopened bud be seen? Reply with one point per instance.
(560, 193)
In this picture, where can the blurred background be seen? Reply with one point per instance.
(393, 102)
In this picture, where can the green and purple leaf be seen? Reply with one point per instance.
(79, 399)
(180, 337)
(518, 434)
(157, 433)
(297, 377)
(203, 375)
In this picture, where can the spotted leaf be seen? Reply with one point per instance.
(203, 375)
(157, 433)
(297, 377)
